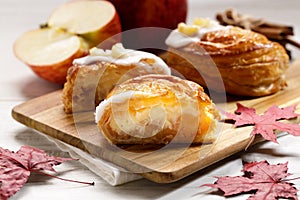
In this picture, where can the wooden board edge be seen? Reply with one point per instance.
(43, 128)
(170, 177)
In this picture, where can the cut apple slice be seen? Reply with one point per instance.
(96, 21)
(50, 52)
(72, 29)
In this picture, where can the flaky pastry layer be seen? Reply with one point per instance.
(89, 84)
(246, 62)
(157, 109)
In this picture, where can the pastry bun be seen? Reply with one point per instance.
(91, 78)
(157, 109)
(249, 64)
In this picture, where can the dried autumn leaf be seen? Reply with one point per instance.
(266, 180)
(268, 122)
(15, 168)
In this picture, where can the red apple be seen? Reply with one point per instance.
(72, 29)
(149, 13)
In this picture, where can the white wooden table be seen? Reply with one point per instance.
(18, 84)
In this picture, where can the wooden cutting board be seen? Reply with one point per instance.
(159, 164)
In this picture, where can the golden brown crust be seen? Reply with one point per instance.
(157, 109)
(89, 84)
(248, 62)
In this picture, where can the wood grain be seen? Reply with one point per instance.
(159, 164)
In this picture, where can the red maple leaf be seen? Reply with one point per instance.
(267, 181)
(15, 168)
(268, 122)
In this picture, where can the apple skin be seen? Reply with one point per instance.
(151, 13)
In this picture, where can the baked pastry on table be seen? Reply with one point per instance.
(248, 63)
(157, 109)
(91, 78)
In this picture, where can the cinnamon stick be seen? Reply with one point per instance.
(280, 33)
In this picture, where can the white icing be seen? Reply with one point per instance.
(120, 56)
(177, 39)
(119, 98)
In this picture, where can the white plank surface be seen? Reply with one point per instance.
(18, 84)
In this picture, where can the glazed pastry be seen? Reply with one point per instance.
(157, 109)
(248, 63)
(91, 78)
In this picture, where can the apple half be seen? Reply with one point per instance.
(95, 21)
(50, 52)
(72, 29)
